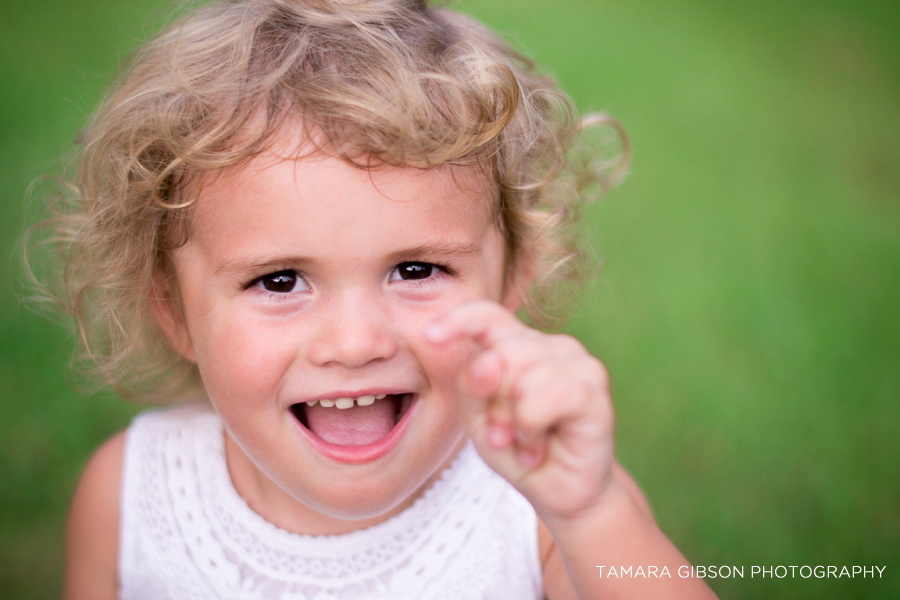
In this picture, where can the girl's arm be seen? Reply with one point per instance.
(92, 533)
(623, 534)
(538, 410)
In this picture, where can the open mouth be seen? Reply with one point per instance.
(349, 421)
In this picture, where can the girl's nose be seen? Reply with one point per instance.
(352, 334)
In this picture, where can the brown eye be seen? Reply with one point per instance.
(415, 270)
(281, 282)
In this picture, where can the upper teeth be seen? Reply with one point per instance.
(347, 402)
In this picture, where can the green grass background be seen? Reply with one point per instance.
(748, 307)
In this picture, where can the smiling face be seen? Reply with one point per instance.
(307, 282)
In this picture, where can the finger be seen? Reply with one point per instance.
(486, 382)
(549, 400)
(490, 325)
(484, 321)
(482, 401)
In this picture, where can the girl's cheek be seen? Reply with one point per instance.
(444, 363)
(244, 354)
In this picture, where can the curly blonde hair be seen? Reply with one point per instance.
(374, 82)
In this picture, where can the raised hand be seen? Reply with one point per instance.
(535, 405)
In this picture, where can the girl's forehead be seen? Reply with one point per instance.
(469, 185)
(294, 139)
(310, 186)
(328, 217)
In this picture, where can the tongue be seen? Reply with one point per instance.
(351, 426)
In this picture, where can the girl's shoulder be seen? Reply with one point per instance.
(92, 532)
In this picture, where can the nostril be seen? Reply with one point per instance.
(352, 346)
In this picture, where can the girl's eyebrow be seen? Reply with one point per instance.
(255, 265)
(437, 251)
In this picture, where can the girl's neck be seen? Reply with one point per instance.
(282, 510)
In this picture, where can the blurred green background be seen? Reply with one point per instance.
(748, 307)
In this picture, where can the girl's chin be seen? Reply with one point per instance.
(345, 503)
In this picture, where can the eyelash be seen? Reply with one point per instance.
(258, 282)
(435, 269)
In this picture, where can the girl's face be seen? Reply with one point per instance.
(310, 280)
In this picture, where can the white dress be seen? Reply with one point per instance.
(186, 534)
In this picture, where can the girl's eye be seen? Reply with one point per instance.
(282, 282)
(410, 271)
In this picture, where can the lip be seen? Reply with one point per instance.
(365, 452)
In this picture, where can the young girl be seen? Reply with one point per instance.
(322, 216)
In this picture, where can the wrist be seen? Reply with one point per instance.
(620, 501)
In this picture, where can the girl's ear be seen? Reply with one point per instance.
(519, 274)
(167, 312)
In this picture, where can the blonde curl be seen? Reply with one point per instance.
(380, 82)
